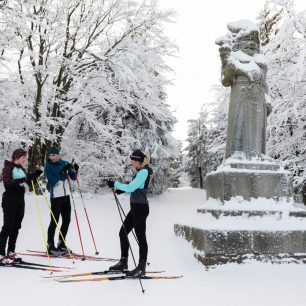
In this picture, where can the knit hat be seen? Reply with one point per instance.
(138, 156)
(18, 153)
(53, 151)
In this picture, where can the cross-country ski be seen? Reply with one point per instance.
(116, 278)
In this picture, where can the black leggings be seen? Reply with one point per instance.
(13, 212)
(136, 218)
(59, 206)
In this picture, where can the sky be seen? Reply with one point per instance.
(197, 67)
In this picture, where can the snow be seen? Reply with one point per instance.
(247, 26)
(232, 284)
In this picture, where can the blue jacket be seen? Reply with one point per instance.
(58, 182)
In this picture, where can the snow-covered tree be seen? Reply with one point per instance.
(285, 50)
(207, 137)
(88, 75)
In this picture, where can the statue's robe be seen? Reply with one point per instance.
(247, 117)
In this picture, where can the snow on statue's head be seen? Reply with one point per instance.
(243, 35)
(240, 53)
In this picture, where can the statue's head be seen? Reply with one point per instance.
(243, 35)
(248, 44)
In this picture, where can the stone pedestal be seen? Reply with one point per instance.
(249, 180)
(266, 241)
(249, 210)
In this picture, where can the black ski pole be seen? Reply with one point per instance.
(120, 206)
(143, 291)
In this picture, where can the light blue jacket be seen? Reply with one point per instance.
(138, 187)
(137, 183)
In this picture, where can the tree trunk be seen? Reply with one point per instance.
(200, 177)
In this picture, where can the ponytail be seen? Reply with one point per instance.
(146, 161)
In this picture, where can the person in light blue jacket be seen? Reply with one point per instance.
(137, 216)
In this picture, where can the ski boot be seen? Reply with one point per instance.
(61, 247)
(139, 271)
(13, 256)
(53, 251)
(4, 260)
(122, 265)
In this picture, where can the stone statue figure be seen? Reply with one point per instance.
(245, 70)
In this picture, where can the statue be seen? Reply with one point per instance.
(245, 70)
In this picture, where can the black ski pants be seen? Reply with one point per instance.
(13, 213)
(135, 219)
(60, 207)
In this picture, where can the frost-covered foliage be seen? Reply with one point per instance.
(89, 76)
(207, 137)
(169, 169)
(196, 138)
(283, 29)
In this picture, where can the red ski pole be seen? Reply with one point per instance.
(76, 215)
(79, 189)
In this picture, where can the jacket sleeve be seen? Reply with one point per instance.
(136, 183)
(52, 177)
(8, 177)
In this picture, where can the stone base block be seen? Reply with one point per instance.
(215, 242)
(232, 182)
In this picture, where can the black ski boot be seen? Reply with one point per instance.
(120, 266)
(53, 251)
(61, 247)
(13, 256)
(139, 271)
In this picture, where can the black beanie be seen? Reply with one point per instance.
(138, 156)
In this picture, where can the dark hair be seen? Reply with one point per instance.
(18, 153)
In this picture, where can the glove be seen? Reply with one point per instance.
(65, 168)
(38, 173)
(32, 176)
(119, 191)
(110, 184)
(75, 167)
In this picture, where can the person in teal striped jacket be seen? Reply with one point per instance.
(137, 216)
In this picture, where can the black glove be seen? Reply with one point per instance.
(32, 176)
(119, 191)
(65, 168)
(38, 173)
(110, 183)
(75, 167)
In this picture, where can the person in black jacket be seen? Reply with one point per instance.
(14, 179)
(136, 218)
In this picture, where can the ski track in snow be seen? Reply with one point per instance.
(249, 284)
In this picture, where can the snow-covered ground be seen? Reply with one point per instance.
(233, 284)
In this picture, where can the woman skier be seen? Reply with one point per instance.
(15, 180)
(136, 218)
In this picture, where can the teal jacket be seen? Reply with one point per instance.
(138, 187)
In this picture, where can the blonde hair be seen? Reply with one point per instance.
(146, 161)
